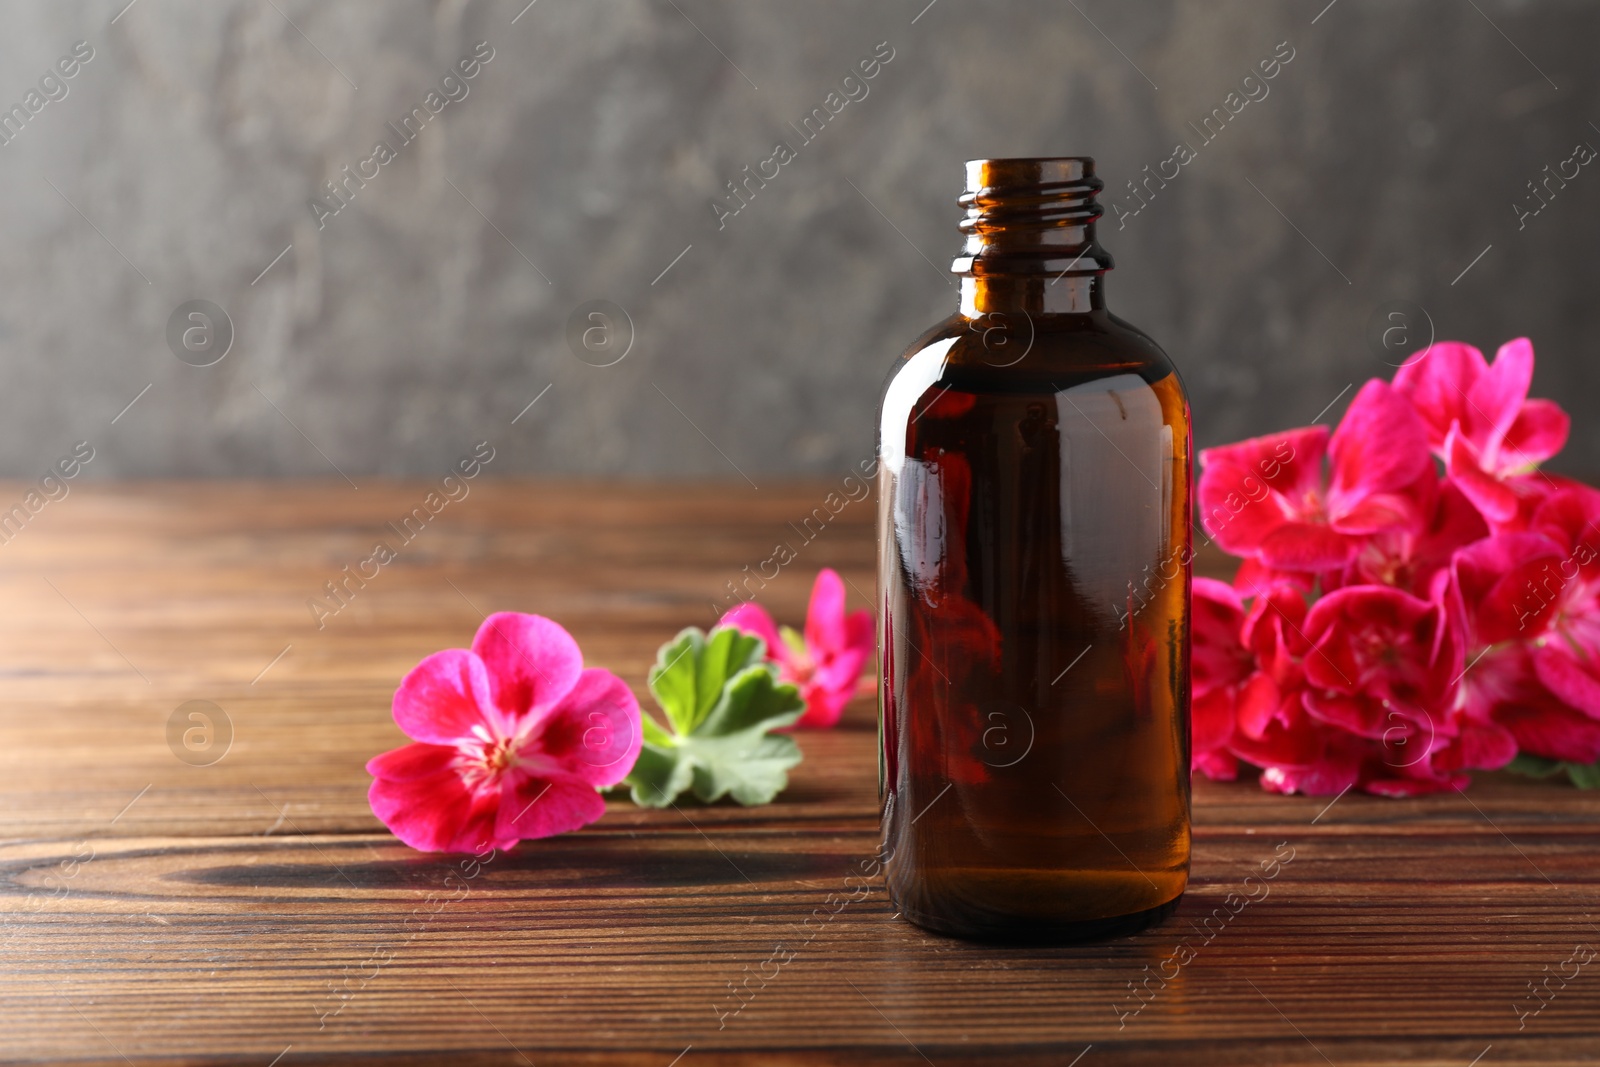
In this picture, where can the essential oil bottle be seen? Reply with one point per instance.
(1034, 563)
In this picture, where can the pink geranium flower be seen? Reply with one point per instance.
(1408, 557)
(1480, 421)
(1515, 601)
(1268, 497)
(1565, 596)
(1386, 667)
(1381, 664)
(513, 738)
(827, 660)
(1221, 667)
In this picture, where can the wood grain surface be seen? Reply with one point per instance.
(252, 911)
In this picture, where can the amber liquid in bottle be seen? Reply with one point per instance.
(1034, 552)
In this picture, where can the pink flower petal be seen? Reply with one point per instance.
(1570, 679)
(753, 619)
(1454, 525)
(1378, 641)
(1259, 705)
(1217, 658)
(1357, 714)
(1328, 778)
(1211, 718)
(1570, 517)
(410, 762)
(1547, 728)
(534, 808)
(532, 661)
(1495, 500)
(1217, 766)
(594, 734)
(1381, 446)
(1275, 606)
(1289, 462)
(1494, 400)
(443, 697)
(825, 614)
(824, 706)
(1236, 509)
(861, 632)
(1305, 546)
(1254, 578)
(436, 813)
(1220, 593)
(1491, 580)
(1378, 512)
(1540, 432)
(1437, 381)
(840, 670)
(1291, 740)
(1518, 606)
(1250, 489)
(1481, 746)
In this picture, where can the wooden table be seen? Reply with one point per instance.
(160, 911)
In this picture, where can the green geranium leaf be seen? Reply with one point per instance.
(693, 667)
(653, 733)
(658, 775)
(751, 767)
(753, 699)
(1533, 766)
(1582, 775)
(721, 699)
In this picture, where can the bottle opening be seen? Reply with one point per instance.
(1031, 216)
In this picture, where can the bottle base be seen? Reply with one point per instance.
(1032, 932)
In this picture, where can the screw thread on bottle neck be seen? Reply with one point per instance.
(1030, 229)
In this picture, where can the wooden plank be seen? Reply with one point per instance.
(626, 936)
(152, 911)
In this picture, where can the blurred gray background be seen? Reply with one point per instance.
(582, 164)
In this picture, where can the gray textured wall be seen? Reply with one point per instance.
(586, 156)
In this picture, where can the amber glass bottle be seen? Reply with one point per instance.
(1034, 551)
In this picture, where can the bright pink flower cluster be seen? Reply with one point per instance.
(1398, 621)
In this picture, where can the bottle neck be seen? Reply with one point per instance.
(1031, 244)
(1036, 294)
